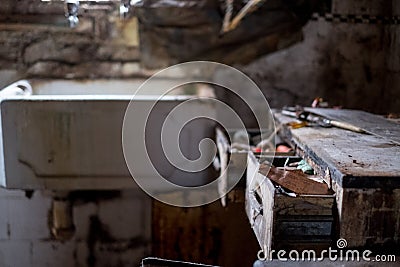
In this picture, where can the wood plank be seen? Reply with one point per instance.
(295, 180)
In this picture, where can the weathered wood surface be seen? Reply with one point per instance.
(354, 160)
(208, 234)
(371, 123)
(370, 216)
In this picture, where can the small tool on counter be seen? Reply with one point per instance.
(309, 117)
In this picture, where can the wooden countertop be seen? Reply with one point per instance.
(354, 160)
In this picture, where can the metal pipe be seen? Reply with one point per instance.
(71, 12)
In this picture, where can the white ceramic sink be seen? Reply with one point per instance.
(66, 135)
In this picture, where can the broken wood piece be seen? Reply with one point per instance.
(295, 180)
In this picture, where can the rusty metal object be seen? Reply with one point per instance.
(372, 124)
(297, 124)
(309, 117)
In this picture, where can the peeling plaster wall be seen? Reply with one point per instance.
(354, 65)
(112, 229)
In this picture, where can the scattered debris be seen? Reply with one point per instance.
(283, 149)
(311, 118)
(319, 102)
(304, 167)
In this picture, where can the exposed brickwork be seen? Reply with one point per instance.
(36, 41)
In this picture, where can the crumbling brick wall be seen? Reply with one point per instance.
(36, 41)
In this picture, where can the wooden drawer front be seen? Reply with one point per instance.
(302, 222)
(259, 201)
(280, 221)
